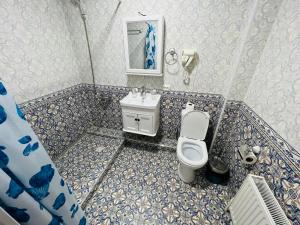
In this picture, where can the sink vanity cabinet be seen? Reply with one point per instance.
(141, 114)
(140, 121)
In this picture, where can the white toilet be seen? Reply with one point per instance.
(191, 149)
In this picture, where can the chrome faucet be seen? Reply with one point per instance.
(143, 91)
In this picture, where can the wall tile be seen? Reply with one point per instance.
(278, 162)
(37, 55)
(43, 50)
(274, 92)
(172, 102)
(74, 24)
(213, 28)
(60, 118)
(260, 22)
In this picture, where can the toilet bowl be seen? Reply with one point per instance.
(191, 149)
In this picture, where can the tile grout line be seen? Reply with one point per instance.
(133, 140)
(69, 147)
(103, 174)
(107, 168)
(111, 162)
(271, 142)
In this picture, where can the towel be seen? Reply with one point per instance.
(150, 48)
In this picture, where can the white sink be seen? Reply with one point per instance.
(141, 114)
(148, 101)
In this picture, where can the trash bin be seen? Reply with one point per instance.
(217, 171)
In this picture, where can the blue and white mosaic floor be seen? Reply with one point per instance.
(83, 165)
(142, 187)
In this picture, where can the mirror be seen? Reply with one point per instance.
(143, 42)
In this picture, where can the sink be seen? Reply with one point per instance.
(148, 101)
(141, 114)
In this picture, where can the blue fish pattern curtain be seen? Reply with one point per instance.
(31, 189)
(150, 48)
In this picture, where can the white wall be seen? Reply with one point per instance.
(258, 27)
(75, 27)
(274, 92)
(213, 28)
(37, 54)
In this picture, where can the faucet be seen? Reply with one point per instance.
(143, 91)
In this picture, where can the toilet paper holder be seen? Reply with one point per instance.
(249, 154)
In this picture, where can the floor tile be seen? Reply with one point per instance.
(84, 163)
(157, 141)
(143, 187)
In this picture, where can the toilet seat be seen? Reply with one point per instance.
(194, 125)
(191, 152)
(191, 148)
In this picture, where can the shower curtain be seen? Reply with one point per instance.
(150, 48)
(31, 189)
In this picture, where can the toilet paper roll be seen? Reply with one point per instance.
(248, 156)
(190, 106)
(250, 159)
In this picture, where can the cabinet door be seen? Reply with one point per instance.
(145, 123)
(130, 121)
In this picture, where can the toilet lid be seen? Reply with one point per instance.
(194, 125)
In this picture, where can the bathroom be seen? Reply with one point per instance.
(170, 135)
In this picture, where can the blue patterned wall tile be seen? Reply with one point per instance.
(60, 118)
(277, 162)
(108, 113)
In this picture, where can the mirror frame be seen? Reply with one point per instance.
(160, 45)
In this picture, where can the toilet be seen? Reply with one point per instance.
(191, 148)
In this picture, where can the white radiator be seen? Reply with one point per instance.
(255, 204)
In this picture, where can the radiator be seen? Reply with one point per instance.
(255, 204)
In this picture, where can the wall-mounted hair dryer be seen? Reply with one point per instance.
(188, 56)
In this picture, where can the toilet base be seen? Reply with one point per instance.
(186, 174)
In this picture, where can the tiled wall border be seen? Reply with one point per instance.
(290, 154)
(60, 118)
(169, 99)
(40, 101)
(234, 108)
(241, 125)
(172, 102)
(86, 110)
(104, 110)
